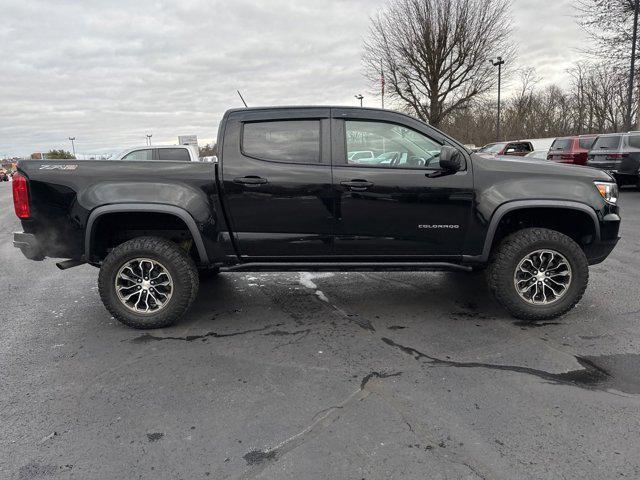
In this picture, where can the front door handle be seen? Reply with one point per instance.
(250, 180)
(357, 185)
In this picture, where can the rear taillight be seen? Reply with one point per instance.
(21, 196)
(618, 155)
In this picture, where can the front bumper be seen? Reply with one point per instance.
(28, 245)
(597, 252)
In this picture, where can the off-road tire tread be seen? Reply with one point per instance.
(169, 253)
(499, 271)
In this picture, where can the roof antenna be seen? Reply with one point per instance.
(240, 95)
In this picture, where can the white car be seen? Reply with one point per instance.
(175, 153)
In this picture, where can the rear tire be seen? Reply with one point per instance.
(148, 264)
(518, 253)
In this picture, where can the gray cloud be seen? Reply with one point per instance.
(109, 72)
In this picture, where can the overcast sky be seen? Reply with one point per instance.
(110, 71)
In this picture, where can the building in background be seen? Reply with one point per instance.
(188, 140)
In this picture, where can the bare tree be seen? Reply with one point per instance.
(610, 24)
(593, 102)
(434, 53)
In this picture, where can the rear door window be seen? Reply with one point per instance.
(607, 143)
(634, 141)
(146, 154)
(561, 144)
(291, 141)
(174, 154)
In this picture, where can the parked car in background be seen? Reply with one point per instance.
(176, 153)
(519, 148)
(537, 155)
(618, 154)
(571, 149)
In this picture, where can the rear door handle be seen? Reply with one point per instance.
(357, 185)
(250, 180)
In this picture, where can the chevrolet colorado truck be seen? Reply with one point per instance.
(284, 196)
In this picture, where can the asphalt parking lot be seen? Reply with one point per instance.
(319, 376)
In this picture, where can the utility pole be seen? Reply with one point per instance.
(498, 62)
(149, 139)
(632, 72)
(73, 146)
(359, 97)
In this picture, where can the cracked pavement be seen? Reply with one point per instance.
(315, 376)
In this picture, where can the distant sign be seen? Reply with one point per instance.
(188, 140)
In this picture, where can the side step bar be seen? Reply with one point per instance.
(346, 266)
(69, 264)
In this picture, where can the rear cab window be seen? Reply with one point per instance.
(290, 141)
(174, 154)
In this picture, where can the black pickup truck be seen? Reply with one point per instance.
(285, 196)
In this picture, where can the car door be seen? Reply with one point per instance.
(399, 208)
(276, 174)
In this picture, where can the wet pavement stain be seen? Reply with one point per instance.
(256, 457)
(38, 470)
(154, 437)
(372, 375)
(525, 324)
(148, 338)
(284, 333)
(363, 323)
(618, 372)
(396, 327)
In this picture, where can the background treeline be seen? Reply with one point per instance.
(593, 101)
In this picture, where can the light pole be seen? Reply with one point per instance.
(149, 139)
(360, 97)
(498, 62)
(73, 146)
(632, 73)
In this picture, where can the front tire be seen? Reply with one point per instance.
(148, 282)
(538, 274)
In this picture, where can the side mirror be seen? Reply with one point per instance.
(450, 159)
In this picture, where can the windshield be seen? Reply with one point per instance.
(492, 148)
(118, 156)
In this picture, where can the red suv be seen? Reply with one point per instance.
(571, 149)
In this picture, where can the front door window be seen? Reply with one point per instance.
(388, 145)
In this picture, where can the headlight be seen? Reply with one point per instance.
(608, 190)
